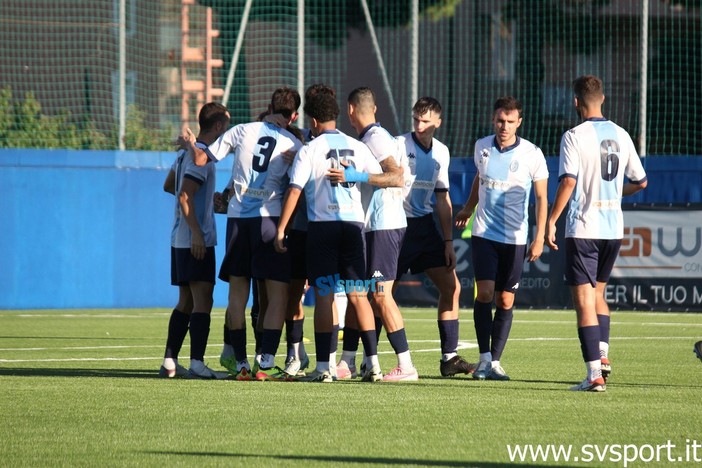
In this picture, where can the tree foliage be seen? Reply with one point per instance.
(23, 125)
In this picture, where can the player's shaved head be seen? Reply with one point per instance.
(363, 99)
(589, 89)
(426, 104)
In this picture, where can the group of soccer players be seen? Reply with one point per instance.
(352, 215)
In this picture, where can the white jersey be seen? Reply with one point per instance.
(506, 177)
(327, 202)
(385, 206)
(259, 172)
(428, 173)
(598, 154)
(185, 168)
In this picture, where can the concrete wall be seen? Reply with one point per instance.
(84, 229)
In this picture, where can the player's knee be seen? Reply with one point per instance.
(484, 295)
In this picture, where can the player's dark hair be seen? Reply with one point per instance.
(322, 105)
(426, 104)
(285, 101)
(210, 114)
(508, 103)
(588, 88)
(317, 88)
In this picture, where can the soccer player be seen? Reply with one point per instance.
(192, 250)
(424, 249)
(385, 229)
(259, 178)
(595, 157)
(508, 166)
(335, 244)
(698, 350)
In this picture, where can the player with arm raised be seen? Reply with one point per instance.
(425, 249)
(595, 158)
(192, 250)
(507, 166)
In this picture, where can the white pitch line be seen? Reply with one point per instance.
(461, 345)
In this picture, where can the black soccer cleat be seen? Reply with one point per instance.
(456, 365)
(698, 350)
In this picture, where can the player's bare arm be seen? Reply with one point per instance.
(630, 188)
(186, 140)
(169, 183)
(536, 248)
(565, 190)
(394, 176)
(186, 197)
(466, 212)
(445, 215)
(292, 197)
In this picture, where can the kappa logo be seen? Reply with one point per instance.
(516, 286)
(378, 275)
(411, 156)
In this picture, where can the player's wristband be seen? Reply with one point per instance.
(352, 175)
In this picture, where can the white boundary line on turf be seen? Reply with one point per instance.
(461, 345)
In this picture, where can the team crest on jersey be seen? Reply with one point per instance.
(514, 166)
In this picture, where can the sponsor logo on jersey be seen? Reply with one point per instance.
(423, 184)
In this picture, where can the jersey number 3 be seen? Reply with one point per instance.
(262, 156)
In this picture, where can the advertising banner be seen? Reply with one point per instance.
(659, 267)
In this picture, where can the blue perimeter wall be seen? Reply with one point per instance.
(91, 229)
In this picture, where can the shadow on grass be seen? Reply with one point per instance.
(340, 459)
(120, 373)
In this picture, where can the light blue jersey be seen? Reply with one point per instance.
(506, 178)
(598, 154)
(385, 206)
(259, 171)
(428, 173)
(327, 201)
(204, 176)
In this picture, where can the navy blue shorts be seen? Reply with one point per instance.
(383, 253)
(498, 262)
(185, 268)
(422, 248)
(590, 260)
(335, 247)
(296, 243)
(250, 252)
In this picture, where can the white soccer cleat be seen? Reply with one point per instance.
(317, 376)
(597, 385)
(198, 370)
(374, 374)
